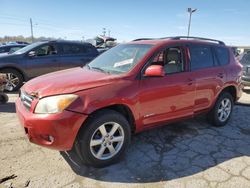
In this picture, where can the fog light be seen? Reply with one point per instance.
(48, 138)
(51, 138)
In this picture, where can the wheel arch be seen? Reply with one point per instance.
(76, 150)
(232, 90)
(17, 69)
(120, 108)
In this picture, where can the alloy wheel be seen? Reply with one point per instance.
(12, 81)
(224, 109)
(107, 140)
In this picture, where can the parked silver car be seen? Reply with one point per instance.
(245, 61)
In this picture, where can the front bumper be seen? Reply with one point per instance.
(55, 131)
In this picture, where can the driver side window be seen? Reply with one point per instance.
(171, 59)
(46, 50)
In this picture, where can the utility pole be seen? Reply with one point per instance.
(104, 31)
(191, 11)
(31, 29)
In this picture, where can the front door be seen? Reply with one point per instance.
(45, 59)
(169, 97)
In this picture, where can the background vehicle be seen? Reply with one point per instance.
(245, 61)
(103, 43)
(130, 88)
(9, 49)
(3, 97)
(44, 57)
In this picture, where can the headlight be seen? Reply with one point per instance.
(54, 104)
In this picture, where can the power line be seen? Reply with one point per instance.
(37, 20)
(16, 24)
(13, 18)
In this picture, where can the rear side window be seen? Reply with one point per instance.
(73, 49)
(201, 57)
(222, 55)
(91, 49)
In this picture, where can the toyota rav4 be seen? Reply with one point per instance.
(94, 110)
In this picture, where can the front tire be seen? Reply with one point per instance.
(104, 138)
(222, 110)
(14, 79)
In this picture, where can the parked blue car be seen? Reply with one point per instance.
(44, 57)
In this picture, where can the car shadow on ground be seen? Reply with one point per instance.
(246, 90)
(9, 107)
(174, 151)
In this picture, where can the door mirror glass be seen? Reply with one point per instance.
(154, 70)
(32, 54)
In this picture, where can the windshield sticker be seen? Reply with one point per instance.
(122, 63)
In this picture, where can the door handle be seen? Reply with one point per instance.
(220, 75)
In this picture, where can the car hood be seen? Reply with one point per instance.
(9, 57)
(67, 81)
(4, 54)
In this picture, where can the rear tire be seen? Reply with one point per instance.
(222, 110)
(14, 79)
(104, 138)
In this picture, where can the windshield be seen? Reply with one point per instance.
(120, 59)
(27, 48)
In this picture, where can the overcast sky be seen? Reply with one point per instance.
(226, 20)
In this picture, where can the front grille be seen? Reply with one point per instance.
(26, 99)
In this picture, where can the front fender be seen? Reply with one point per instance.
(15, 67)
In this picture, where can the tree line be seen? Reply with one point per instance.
(24, 39)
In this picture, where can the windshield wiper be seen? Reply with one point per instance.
(87, 66)
(99, 69)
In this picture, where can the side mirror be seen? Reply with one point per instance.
(32, 54)
(155, 70)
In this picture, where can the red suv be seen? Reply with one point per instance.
(132, 87)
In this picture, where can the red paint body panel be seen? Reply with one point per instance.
(152, 101)
(62, 127)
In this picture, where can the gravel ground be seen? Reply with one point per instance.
(185, 154)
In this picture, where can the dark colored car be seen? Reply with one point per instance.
(92, 111)
(9, 49)
(3, 97)
(44, 57)
(245, 61)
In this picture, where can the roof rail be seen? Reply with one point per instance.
(197, 38)
(182, 37)
(144, 39)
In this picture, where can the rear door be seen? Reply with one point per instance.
(208, 75)
(75, 55)
(44, 60)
